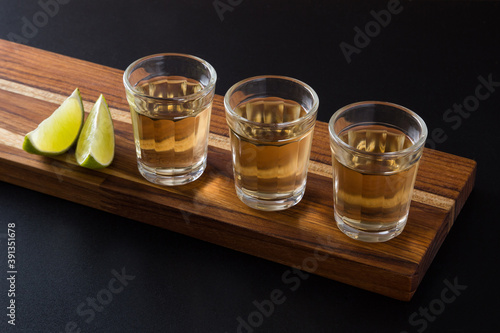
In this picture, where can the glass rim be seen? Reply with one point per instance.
(309, 114)
(411, 149)
(199, 94)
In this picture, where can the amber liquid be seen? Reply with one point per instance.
(368, 195)
(269, 163)
(170, 138)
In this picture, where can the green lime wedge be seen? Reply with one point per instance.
(96, 145)
(56, 134)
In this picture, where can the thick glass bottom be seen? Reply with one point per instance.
(270, 203)
(170, 176)
(370, 236)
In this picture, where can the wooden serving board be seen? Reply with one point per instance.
(34, 82)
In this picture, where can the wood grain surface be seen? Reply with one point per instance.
(34, 82)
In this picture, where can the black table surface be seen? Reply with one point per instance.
(84, 270)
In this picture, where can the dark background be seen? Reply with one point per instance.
(428, 58)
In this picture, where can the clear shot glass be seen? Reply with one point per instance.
(271, 121)
(376, 148)
(170, 97)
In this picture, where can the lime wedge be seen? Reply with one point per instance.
(56, 134)
(96, 145)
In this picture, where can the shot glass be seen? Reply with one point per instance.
(170, 97)
(271, 121)
(376, 148)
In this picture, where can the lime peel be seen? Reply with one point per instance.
(95, 148)
(56, 134)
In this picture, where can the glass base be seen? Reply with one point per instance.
(370, 236)
(172, 177)
(270, 204)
